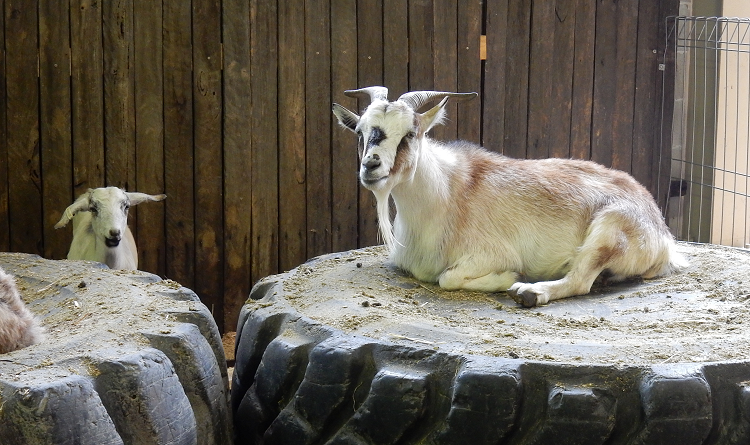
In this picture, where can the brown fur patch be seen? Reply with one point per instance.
(401, 154)
(605, 255)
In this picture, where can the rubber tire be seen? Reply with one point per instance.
(143, 365)
(299, 381)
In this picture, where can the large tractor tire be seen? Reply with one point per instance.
(347, 350)
(128, 358)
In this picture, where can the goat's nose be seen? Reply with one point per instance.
(371, 162)
(114, 233)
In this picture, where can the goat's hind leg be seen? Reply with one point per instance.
(605, 246)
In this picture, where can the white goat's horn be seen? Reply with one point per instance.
(415, 99)
(371, 92)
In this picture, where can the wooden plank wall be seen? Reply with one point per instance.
(225, 106)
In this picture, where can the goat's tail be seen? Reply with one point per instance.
(677, 262)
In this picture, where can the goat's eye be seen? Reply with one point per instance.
(410, 135)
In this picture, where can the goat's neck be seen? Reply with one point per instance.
(425, 198)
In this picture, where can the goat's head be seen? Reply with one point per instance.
(109, 211)
(390, 133)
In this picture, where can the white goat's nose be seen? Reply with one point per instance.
(114, 233)
(371, 162)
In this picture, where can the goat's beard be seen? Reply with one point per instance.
(384, 218)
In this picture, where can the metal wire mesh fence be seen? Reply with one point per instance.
(710, 137)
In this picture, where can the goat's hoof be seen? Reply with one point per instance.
(525, 297)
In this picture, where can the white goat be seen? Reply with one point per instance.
(469, 218)
(100, 226)
(18, 327)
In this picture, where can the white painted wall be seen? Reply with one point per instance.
(731, 209)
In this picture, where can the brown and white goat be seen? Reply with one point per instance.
(468, 218)
(18, 326)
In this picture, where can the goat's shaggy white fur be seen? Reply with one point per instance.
(19, 328)
(469, 218)
(100, 226)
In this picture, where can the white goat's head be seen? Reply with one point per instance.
(390, 133)
(109, 211)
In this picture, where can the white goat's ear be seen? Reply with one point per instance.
(433, 116)
(346, 118)
(137, 198)
(80, 204)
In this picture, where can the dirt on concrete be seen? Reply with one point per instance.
(699, 315)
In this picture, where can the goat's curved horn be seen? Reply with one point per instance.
(371, 92)
(415, 99)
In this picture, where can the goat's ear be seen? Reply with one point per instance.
(433, 116)
(80, 204)
(346, 118)
(137, 198)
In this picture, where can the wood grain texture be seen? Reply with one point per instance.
(238, 174)
(55, 124)
(469, 114)
(119, 91)
(264, 151)
(344, 158)
(87, 94)
(208, 153)
(318, 128)
(24, 178)
(179, 160)
(371, 67)
(149, 134)
(4, 165)
(583, 79)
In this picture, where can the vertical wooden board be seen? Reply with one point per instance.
(494, 100)
(666, 90)
(515, 99)
(292, 187)
(119, 93)
(445, 62)
(421, 55)
(614, 83)
(344, 162)
(87, 94)
(583, 79)
(371, 67)
(4, 219)
(605, 82)
(178, 143)
(542, 62)
(647, 106)
(469, 79)
(318, 126)
(149, 134)
(55, 124)
(625, 88)
(24, 174)
(264, 114)
(238, 186)
(208, 179)
(561, 76)
(395, 47)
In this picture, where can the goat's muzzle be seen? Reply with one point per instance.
(114, 238)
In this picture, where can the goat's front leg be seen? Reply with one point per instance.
(458, 277)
